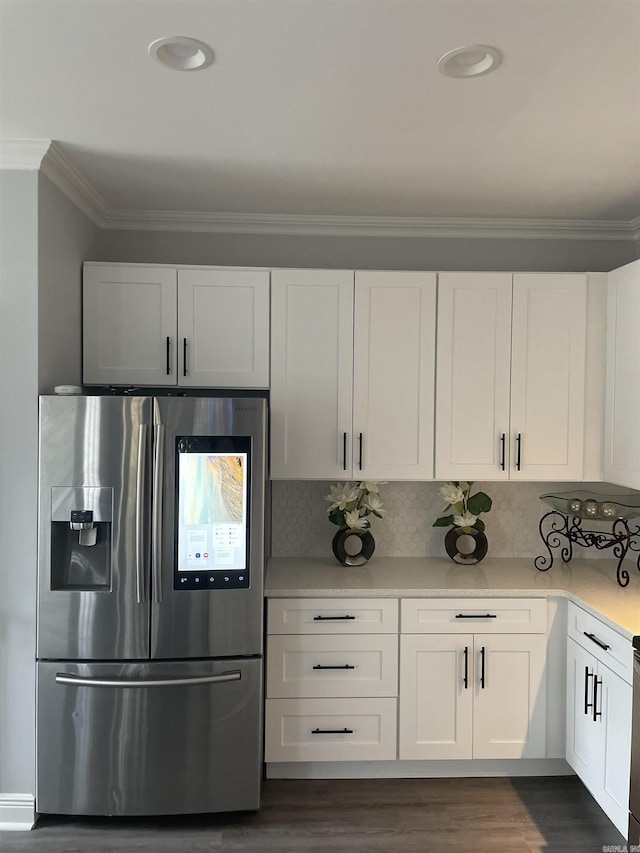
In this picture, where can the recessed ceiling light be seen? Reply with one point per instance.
(181, 53)
(469, 61)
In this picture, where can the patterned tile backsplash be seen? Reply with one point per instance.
(300, 527)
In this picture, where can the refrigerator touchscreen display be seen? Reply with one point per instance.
(212, 513)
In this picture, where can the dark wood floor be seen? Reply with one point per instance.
(360, 816)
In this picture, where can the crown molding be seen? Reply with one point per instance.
(371, 226)
(23, 154)
(47, 155)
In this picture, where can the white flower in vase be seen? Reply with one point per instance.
(355, 521)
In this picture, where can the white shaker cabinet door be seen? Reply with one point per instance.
(510, 710)
(129, 325)
(436, 696)
(223, 329)
(548, 376)
(473, 376)
(394, 354)
(311, 374)
(622, 435)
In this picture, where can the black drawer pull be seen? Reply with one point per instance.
(325, 618)
(339, 666)
(476, 616)
(595, 640)
(331, 731)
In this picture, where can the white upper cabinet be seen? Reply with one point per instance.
(154, 325)
(311, 374)
(223, 328)
(548, 376)
(622, 419)
(511, 371)
(394, 373)
(129, 327)
(352, 389)
(473, 375)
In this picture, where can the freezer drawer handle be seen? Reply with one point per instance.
(80, 681)
(331, 731)
(338, 666)
(595, 640)
(325, 618)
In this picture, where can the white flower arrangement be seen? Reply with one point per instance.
(467, 507)
(350, 504)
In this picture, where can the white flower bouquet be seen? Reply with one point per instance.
(467, 507)
(350, 504)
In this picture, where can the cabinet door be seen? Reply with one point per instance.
(223, 328)
(394, 355)
(473, 376)
(614, 701)
(509, 719)
(622, 447)
(129, 325)
(548, 376)
(584, 747)
(311, 374)
(436, 696)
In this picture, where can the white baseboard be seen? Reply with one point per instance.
(417, 769)
(17, 811)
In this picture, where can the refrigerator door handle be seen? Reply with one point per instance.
(80, 681)
(156, 537)
(140, 483)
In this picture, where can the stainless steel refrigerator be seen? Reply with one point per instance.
(150, 603)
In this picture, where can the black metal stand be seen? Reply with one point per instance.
(563, 531)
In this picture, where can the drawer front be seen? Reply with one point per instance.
(474, 615)
(338, 665)
(332, 616)
(593, 635)
(330, 730)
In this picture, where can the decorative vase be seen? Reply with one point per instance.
(353, 547)
(466, 548)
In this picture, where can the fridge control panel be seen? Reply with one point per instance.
(213, 580)
(212, 519)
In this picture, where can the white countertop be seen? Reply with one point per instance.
(590, 583)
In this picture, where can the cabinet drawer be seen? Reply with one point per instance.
(332, 616)
(330, 729)
(473, 615)
(593, 635)
(338, 665)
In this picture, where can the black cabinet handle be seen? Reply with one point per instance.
(466, 668)
(482, 656)
(596, 681)
(503, 441)
(344, 451)
(168, 355)
(184, 356)
(339, 666)
(595, 640)
(476, 616)
(587, 676)
(326, 618)
(518, 450)
(331, 731)
(360, 452)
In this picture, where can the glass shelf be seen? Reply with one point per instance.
(593, 505)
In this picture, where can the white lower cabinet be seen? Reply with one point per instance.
(599, 704)
(331, 688)
(472, 696)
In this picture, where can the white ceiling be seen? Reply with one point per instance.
(335, 107)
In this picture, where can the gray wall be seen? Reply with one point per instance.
(65, 239)
(364, 252)
(18, 474)
(43, 240)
